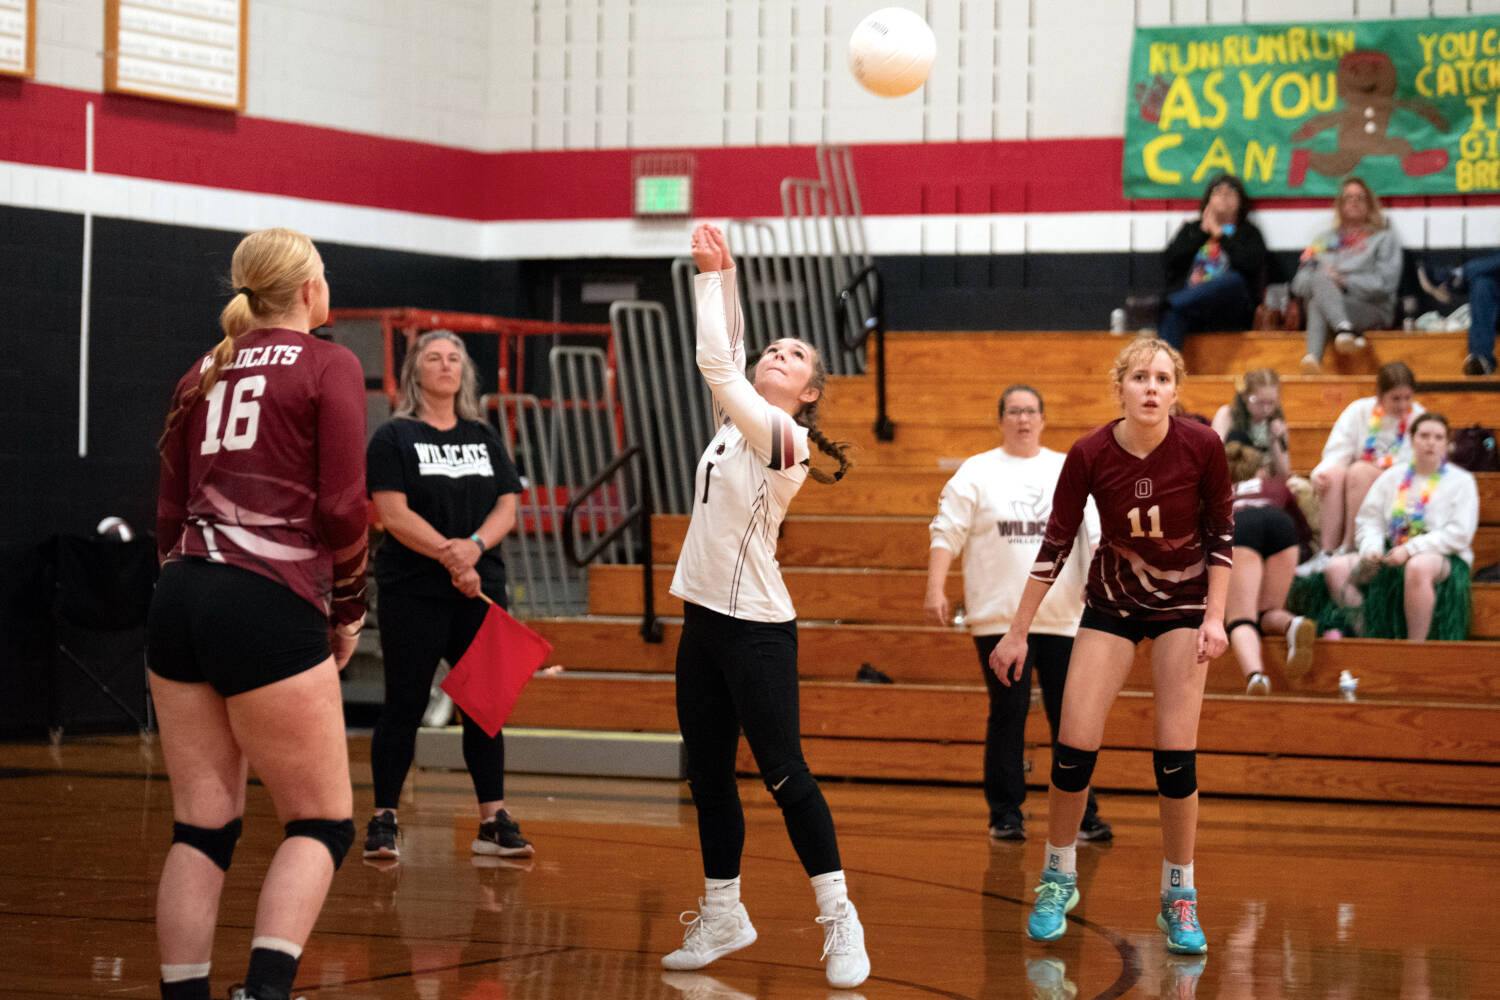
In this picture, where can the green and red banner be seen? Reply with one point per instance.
(1413, 107)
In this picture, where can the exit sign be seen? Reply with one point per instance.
(663, 194)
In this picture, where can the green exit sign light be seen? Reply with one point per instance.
(663, 194)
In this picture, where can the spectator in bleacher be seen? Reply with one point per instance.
(1410, 574)
(1254, 418)
(1369, 437)
(1269, 529)
(1214, 266)
(737, 659)
(994, 510)
(1348, 275)
(1482, 277)
(1161, 572)
(445, 488)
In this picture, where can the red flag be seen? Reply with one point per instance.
(488, 678)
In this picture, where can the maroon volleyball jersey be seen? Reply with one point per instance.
(1272, 491)
(267, 471)
(1164, 519)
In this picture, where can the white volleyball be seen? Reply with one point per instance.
(891, 52)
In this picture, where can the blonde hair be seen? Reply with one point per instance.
(409, 392)
(1377, 217)
(807, 416)
(267, 273)
(1144, 349)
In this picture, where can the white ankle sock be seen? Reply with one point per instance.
(721, 894)
(180, 973)
(277, 944)
(831, 890)
(1062, 859)
(1176, 876)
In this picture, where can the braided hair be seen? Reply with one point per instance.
(807, 417)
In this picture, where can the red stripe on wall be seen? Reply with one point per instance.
(137, 137)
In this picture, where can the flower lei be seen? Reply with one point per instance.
(1369, 454)
(1407, 524)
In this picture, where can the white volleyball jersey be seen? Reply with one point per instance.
(748, 474)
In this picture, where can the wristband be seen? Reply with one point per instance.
(479, 542)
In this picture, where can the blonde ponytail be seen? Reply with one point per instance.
(267, 273)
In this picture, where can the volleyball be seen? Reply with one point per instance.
(891, 52)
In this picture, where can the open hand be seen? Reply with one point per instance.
(711, 249)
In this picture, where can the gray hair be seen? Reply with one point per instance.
(409, 393)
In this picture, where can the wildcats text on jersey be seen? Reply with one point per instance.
(1022, 531)
(253, 357)
(453, 460)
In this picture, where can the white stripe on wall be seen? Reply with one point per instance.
(112, 196)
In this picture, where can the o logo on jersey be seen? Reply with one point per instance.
(1142, 489)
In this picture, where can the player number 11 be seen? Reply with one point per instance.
(1154, 513)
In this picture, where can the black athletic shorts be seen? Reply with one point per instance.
(231, 628)
(1136, 629)
(1267, 530)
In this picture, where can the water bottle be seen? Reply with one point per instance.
(1117, 322)
(1409, 312)
(1348, 685)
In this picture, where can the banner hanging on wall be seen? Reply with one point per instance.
(1411, 106)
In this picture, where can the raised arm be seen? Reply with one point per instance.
(769, 430)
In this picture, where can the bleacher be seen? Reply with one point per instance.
(1425, 726)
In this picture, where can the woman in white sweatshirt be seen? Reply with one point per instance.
(994, 510)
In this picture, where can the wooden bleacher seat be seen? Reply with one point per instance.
(854, 557)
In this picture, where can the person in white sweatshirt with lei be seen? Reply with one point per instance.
(994, 511)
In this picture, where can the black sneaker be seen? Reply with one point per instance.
(380, 836)
(1094, 828)
(1475, 365)
(1007, 827)
(500, 836)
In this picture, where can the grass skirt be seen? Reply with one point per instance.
(1383, 615)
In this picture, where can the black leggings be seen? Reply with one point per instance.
(733, 674)
(1005, 732)
(415, 632)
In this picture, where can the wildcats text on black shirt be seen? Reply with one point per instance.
(453, 460)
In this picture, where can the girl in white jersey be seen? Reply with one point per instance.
(737, 661)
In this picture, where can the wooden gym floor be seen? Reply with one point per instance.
(1354, 902)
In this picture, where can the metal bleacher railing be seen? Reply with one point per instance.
(565, 422)
(560, 421)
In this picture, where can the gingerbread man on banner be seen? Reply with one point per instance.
(1367, 87)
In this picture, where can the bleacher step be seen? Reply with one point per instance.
(600, 753)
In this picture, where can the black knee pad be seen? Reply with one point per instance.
(1241, 623)
(790, 785)
(217, 845)
(1072, 768)
(335, 834)
(1176, 772)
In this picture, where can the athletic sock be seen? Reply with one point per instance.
(185, 982)
(1062, 859)
(1176, 876)
(831, 890)
(273, 968)
(720, 895)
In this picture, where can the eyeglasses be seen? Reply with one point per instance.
(1028, 412)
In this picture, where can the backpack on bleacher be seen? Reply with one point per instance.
(1473, 447)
